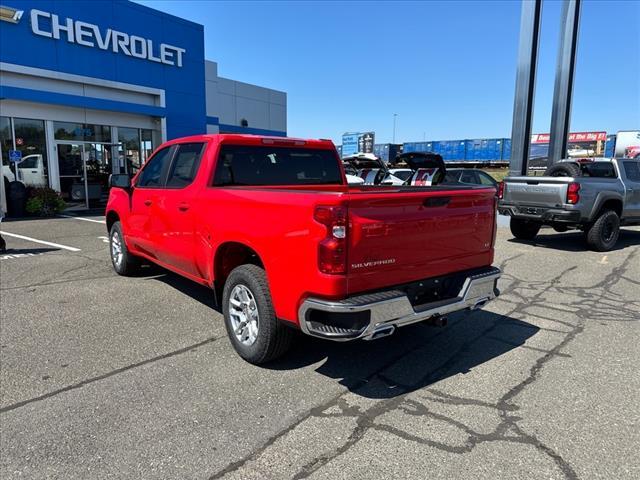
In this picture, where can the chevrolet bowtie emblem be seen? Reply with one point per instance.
(11, 15)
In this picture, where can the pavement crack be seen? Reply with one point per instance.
(89, 381)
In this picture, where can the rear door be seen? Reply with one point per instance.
(176, 245)
(400, 237)
(632, 184)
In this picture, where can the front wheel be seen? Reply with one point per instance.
(124, 263)
(524, 229)
(255, 332)
(603, 234)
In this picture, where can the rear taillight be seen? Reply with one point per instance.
(573, 195)
(332, 250)
(500, 190)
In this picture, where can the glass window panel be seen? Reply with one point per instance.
(155, 174)
(129, 150)
(81, 132)
(147, 143)
(6, 143)
(185, 165)
(68, 131)
(30, 140)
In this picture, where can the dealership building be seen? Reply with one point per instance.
(91, 88)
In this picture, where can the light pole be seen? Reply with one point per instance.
(394, 127)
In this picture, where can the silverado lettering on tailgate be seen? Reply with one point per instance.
(373, 263)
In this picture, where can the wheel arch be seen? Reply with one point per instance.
(607, 202)
(229, 255)
(112, 217)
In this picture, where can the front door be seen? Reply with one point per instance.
(145, 224)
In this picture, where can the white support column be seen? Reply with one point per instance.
(52, 156)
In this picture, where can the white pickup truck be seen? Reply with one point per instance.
(31, 171)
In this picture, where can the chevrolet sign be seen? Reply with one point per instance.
(49, 25)
(11, 15)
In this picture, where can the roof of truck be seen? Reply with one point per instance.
(246, 139)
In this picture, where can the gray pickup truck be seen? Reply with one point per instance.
(595, 196)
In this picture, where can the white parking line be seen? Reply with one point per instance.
(43, 242)
(84, 219)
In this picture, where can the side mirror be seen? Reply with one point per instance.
(120, 180)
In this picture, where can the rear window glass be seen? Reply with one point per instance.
(599, 170)
(257, 165)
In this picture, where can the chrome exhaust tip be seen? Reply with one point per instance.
(383, 331)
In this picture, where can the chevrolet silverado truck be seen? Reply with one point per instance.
(595, 196)
(273, 228)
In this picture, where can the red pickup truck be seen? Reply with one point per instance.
(271, 225)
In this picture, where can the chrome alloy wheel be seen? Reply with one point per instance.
(243, 312)
(116, 249)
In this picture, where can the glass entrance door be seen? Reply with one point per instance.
(72, 170)
(99, 165)
(84, 173)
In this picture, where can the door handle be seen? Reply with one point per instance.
(148, 203)
(436, 201)
(183, 207)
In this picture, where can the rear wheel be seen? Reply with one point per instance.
(602, 234)
(255, 332)
(124, 263)
(524, 229)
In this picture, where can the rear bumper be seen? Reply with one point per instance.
(540, 214)
(378, 314)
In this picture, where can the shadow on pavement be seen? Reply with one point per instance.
(574, 241)
(412, 358)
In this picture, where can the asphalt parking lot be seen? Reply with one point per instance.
(111, 377)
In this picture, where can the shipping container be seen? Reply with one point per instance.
(506, 150)
(609, 148)
(387, 151)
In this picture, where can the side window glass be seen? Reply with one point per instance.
(632, 169)
(185, 164)
(468, 177)
(485, 179)
(155, 170)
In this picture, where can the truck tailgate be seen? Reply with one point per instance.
(536, 191)
(403, 236)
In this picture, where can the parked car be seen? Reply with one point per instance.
(595, 196)
(469, 176)
(402, 174)
(371, 169)
(272, 227)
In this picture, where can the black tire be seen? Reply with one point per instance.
(273, 337)
(524, 229)
(564, 169)
(603, 233)
(129, 264)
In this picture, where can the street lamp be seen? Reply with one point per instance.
(394, 127)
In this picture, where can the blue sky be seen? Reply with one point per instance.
(446, 68)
